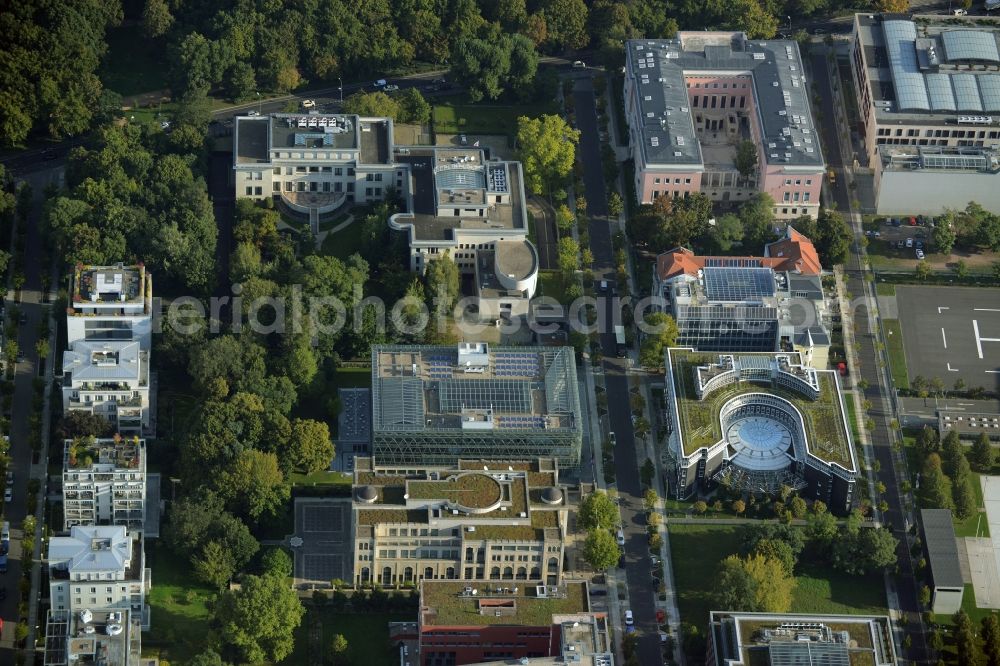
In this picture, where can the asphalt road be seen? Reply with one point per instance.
(638, 564)
(881, 412)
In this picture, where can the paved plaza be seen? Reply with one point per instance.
(984, 553)
(324, 526)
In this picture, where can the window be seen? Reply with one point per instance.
(798, 181)
(249, 190)
(258, 190)
(788, 196)
(656, 180)
(276, 186)
(788, 181)
(806, 197)
(338, 171)
(687, 181)
(276, 171)
(378, 178)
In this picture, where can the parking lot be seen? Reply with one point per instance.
(324, 525)
(902, 240)
(951, 333)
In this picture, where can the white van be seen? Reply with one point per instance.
(380, 83)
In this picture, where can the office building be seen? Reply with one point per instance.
(104, 482)
(938, 535)
(928, 96)
(470, 623)
(111, 303)
(435, 405)
(454, 200)
(478, 520)
(969, 418)
(757, 422)
(109, 638)
(764, 639)
(98, 568)
(690, 101)
(748, 304)
(109, 378)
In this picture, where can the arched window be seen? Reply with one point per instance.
(553, 565)
(429, 572)
(407, 574)
(522, 573)
(366, 574)
(387, 575)
(495, 573)
(450, 573)
(536, 573)
(508, 573)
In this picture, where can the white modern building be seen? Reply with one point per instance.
(104, 482)
(455, 200)
(111, 303)
(109, 378)
(98, 567)
(110, 638)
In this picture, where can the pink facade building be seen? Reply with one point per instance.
(691, 101)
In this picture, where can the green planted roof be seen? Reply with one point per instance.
(447, 606)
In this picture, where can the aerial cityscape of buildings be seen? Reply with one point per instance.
(613, 334)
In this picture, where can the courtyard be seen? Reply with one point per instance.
(324, 526)
(951, 333)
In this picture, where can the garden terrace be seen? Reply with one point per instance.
(699, 419)
(445, 603)
(86, 451)
(387, 516)
(474, 491)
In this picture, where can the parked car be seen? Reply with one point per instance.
(909, 242)
(878, 234)
(463, 139)
(900, 244)
(308, 103)
(8, 494)
(629, 618)
(620, 537)
(253, 112)
(959, 12)
(381, 83)
(10, 477)
(919, 245)
(894, 221)
(579, 64)
(391, 87)
(920, 254)
(913, 221)
(612, 439)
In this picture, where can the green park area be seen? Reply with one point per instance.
(179, 607)
(697, 550)
(367, 636)
(897, 357)
(459, 116)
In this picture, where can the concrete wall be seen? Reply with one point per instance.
(946, 600)
(931, 192)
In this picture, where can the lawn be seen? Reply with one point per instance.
(321, 478)
(852, 416)
(179, 607)
(897, 358)
(553, 285)
(885, 289)
(347, 241)
(326, 225)
(974, 613)
(696, 551)
(133, 63)
(460, 116)
(367, 636)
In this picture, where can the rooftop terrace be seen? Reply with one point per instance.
(826, 433)
(446, 603)
(113, 285)
(120, 452)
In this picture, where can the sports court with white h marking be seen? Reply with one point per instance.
(951, 333)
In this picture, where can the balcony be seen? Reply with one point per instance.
(305, 202)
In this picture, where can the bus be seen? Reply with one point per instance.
(620, 341)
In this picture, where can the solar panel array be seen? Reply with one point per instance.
(521, 422)
(739, 284)
(503, 396)
(302, 138)
(732, 262)
(400, 402)
(971, 162)
(808, 653)
(439, 366)
(963, 92)
(448, 177)
(515, 364)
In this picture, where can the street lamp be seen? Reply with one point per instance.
(789, 25)
(258, 103)
(340, 87)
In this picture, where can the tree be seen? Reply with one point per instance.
(377, 104)
(615, 204)
(208, 658)
(738, 506)
(746, 158)
(241, 81)
(597, 512)
(961, 269)
(798, 507)
(699, 507)
(834, 236)
(646, 472)
(650, 499)
(755, 583)
(923, 269)
(494, 63)
(338, 647)
(311, 447)
(565, 220)
(660, 333)
(214, 565)
(442, 284)
(600, 549)
(943, 235)
(893, 6)
(935, 487)
(965, 639)
(568, 254)
(821, 531)
(726, 232)
(413, 108)
(253, 485)
(566, 24)
(156, 18)
(991, 639)
(752, 18)
(259, 619)
(276, 561)
(548, 150)
(925, 595)
(84, 424)
(982, 453)
(757, 216)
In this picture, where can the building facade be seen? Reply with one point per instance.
(689, 101)
(937, 533)
(104, 482)
(109, 378)
(462, 623)
(928, 93)
(435, 405)
(477, 520)
(748, 304)
(757, 422)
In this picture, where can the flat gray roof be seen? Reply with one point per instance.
(932, 69)
(942, 549)
(251, 140)
(322, 131)
(658, 67)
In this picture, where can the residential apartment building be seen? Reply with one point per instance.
(435, 405)
(98, 567)
(689, 101)
(480, 520)
(928, 94)
(111, 303)
(454, 199)
(109, 378)
(748, 304)
(471, 623)
(764, 639)
(104, 482)
(110, 638)
(756, 422)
